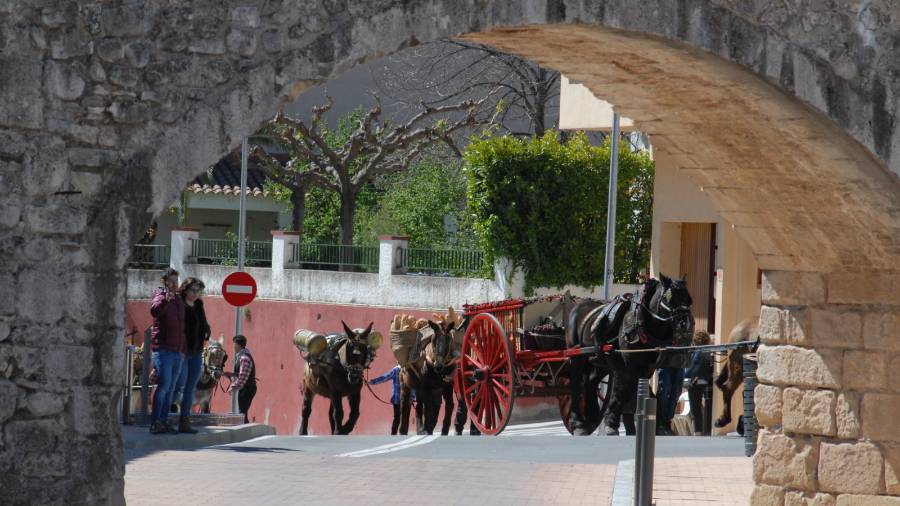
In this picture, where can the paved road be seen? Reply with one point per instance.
(542, 468)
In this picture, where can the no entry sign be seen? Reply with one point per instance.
(239, 289)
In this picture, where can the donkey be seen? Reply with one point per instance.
(732, 374)
(214, 359)
(336, 373)
(431, 377)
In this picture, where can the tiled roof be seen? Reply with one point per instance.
(224, 178)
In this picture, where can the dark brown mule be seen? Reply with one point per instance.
(431, 377)
(732, 374)
(337, 373)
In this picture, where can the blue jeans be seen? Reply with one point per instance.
(187, 381)
(167, 364)
(669, 390)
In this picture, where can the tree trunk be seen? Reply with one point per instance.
(348, 210)
(298, 212)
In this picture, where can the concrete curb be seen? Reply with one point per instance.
(138, 438)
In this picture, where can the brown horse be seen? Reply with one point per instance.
(336, 373)
(732, 374)
(431, 377)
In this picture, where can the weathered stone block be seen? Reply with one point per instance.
(880, 414)
(8, 394)
(92, 410)
(65, 80)
(793, 366)
(92, 157)
(138, 53)
(4, 331)
(767, 404)
(891, 454)
(836, 328)
(124, 21)
(70, 43)
(23, 106)
(865, 370)
(34, 446)
(246, 16)
(767, 495)
(847, 415)
(809, 411)
(207, 46)
(801, 499)
(10, 213)
(864, 288)
(781, 460)
(70, 362)
(111, 50)
(44, 403)
(779, 326)
(788, 288)
(86, 134)
(850, 468)
(867, 500)
(881, 330)
(242, 42)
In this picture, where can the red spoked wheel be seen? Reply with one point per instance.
(486, 374)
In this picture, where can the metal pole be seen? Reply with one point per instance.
(129, 375)
(145, 378)
(242, 218)
(611, 206)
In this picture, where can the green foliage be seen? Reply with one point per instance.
(542, 204)
(426, 203)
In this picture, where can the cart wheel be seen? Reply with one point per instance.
(565, 404)
(486, 371)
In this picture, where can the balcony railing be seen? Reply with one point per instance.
(442, 261)
(225, 252)
(335, 255)
(150, 256)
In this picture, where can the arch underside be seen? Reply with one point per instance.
(801, 192)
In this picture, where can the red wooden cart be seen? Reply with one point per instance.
(516, 348)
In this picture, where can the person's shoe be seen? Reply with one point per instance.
(168, 427)
(184, 425)
(157, 428)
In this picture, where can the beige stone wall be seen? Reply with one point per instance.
(828, 400)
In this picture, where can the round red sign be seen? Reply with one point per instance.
(239, 289)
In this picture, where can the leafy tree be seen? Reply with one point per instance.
(542, 203)
(364, 147)
(427, 203)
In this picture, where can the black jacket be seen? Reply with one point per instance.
(196, 328)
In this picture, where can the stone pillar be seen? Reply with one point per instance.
(282, 250)
(181, 247)
(828, 400)
(390, 255)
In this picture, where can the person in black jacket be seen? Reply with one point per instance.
(700, 375)
(197, 331)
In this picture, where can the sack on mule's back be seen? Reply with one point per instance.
(402, 343)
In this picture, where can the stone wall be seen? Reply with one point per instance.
(828, 395)
(109, 107)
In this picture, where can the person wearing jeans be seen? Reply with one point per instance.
(168, 344)
(196, 332)
(244, 376)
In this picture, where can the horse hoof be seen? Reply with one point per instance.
(721, 422)
(610, 431)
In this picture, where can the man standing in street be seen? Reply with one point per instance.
(245, 370)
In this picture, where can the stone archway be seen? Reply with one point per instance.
(110, 108)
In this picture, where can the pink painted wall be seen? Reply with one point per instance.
(269, 330)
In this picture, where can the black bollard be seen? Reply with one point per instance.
(749, 367)
(641, 422)
(645, 476)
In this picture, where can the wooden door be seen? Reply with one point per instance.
(698, 266)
